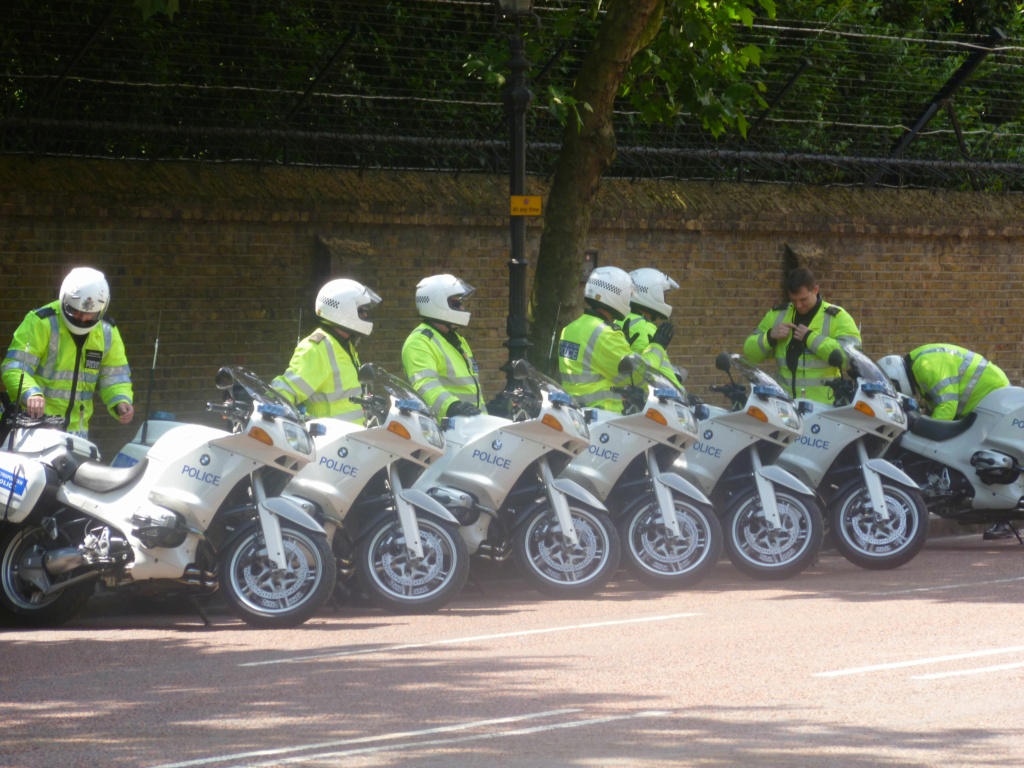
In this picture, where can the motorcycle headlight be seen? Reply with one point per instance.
(788, 415)
(894, 411)
(578, 422)
(431, 432)
(297, 437)
(685, 416)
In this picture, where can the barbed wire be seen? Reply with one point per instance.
(358, 86)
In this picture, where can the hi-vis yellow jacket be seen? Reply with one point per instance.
(322, 375)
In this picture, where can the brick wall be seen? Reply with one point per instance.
(221, 260)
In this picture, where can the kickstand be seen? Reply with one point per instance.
(1016, 532)
(194, 600)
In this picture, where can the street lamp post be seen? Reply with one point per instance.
(517, 99)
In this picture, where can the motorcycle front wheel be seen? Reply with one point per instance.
(768, 553)
(656, 557)
(265, 597)
(397, 581)
(552, 565)
(870, 542)
(22, 599)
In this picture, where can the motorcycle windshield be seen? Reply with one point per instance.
(645, 374)
(760, 382)
(399, 389)
(260, 391)
(862, 367)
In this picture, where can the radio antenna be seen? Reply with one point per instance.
(152, 375)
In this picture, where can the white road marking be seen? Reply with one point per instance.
(976, 671)
(415, 745)
(939, 588)
(365, 739)
(458, 640)
(919, 662)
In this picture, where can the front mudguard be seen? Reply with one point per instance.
(568, 488)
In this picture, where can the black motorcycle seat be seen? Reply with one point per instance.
(103, 479)
(942, 429)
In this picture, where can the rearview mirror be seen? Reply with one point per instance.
(367, 373)
(723, 362)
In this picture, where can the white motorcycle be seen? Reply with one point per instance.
(196, 513)
(499, 478)
(876, 515)
(771, 522)
(404, 546)
(969, 470)
(670, 535)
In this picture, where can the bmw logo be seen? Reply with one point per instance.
(815, 428)
(342, 452)
(604, 437)
(708, 434)
(204, 459)
(496, 445)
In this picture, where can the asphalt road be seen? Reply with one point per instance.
(921, 666)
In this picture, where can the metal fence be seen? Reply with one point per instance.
(385, 85)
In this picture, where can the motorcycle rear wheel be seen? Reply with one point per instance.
(771, 554)
(396, 582)
(875, 544)
(264, 597)
(554, 567)
(661, 561)
(22, 603)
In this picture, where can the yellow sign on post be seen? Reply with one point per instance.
(525, 205)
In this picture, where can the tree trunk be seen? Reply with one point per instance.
(586, 154)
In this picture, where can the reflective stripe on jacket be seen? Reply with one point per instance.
(830, 326)
(589, 353)
(322, 376)
(440, 373)
(953, 380)
(45, 351)
(639, 331)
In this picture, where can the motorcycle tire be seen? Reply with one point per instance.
(766, 554)
(657, 559)
(875, 544)
(396, 582)
(22, 603)
(554, 568)
(263, 597)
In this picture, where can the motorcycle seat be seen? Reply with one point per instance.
(103, 479)
(941, 429)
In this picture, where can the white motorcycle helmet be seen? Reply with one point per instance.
(84, 290)
(895, 367)
(649, 286)
(610, 288)
(346, 303)
(440, 297)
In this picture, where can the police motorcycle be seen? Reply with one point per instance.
(402, 546)
(876, 515)
(500, 479)
(771, 521)
(670, 535)
(196, 513)
(969, 469)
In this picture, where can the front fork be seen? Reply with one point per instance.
(270, 525)
(766, 490)
(406, 514)
(558, 503)
(663, 495)
(873, 482)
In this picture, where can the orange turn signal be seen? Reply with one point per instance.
(552, 422)
(261, 435)
(757, 413)
(865, 409)
(657, 416)
(399, 429)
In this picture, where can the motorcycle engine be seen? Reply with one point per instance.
(995, 468)
(166, 530)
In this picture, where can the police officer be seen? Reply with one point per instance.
(951, 381)
(801, 334)
(63, 352)
(323, 372)
(591, 346)
(437, 359)
(647, 326)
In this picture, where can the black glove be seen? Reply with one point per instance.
(664, 334)
(460, 408)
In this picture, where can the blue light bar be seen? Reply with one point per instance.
(409, 405)
(560, 398)
(272, 409)
(667, 393)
